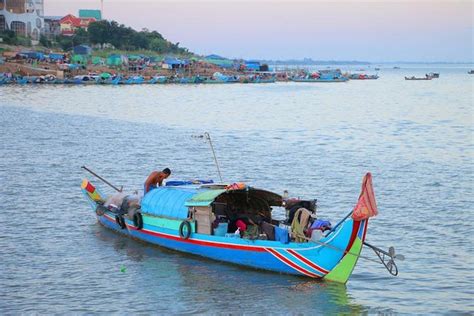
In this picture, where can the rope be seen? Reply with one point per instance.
(339, 249)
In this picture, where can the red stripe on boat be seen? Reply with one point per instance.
(365, 229)
(193, 241)
(355, 230)
(309, 263)
(292, 264)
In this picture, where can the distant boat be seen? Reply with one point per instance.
(341, 79)
(377, 69)
(471, 72)
(363, 77)
(396, 67)
(433, 75)
(426, 77)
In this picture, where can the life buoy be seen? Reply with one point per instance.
(120, 221)
(185, 233)
(138, 220)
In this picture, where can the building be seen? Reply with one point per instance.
(24, 17)
(69, 24)
(52, 26)
(96, 14)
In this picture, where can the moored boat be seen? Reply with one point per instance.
(363, 77)
(426, 77)
(200, 218)
(296, 79)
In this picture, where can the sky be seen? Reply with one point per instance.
(370, 30)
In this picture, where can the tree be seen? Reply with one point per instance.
(81, 36)
(44, 41)
(99, 32)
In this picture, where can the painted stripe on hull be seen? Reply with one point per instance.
(292, 264)
(306, 261)
(279, 259)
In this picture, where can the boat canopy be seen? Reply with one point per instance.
(204, 198)
(173, 202)
(167, 202)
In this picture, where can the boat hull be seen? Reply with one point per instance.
(309, 259)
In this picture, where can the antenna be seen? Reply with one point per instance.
(208, 138)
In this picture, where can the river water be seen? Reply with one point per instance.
(315, 140)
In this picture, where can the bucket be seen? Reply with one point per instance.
(221, 229)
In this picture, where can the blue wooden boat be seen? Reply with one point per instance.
(135, 80)
(181, 217)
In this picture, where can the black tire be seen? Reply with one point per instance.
(138, 220)
(120, 221)
(100, 210)
(185, 232)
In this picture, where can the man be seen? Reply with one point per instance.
(156, 179)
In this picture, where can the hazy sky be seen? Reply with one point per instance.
(383, 30)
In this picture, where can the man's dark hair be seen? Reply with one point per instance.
(167, 171)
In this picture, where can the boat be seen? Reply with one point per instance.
(434, 74)
(471, 72)
(193, 217)
(298, 79)
(426, 77)
(134, 80)
(326, 75)
(363, 77)
(258, 79)
(219, 78)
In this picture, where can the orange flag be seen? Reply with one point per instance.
(366, 206)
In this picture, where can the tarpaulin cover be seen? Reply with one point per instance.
(204, 198)
(168, 202)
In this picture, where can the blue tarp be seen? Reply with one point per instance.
(255, 65)
(34, 55)
(175, 61)
(168, 202)
(82, 50)
(56, 56)
(179, 182)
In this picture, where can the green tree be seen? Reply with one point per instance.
(44, 41)
(81, 36)
(99, 32)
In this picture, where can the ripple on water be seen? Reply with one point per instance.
(316, 141)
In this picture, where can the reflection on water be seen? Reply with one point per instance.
(220, 284)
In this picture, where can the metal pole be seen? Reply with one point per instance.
(208, 137)
(99, 177)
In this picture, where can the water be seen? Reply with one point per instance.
(316, 140)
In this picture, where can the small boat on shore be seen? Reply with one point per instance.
(233, 223)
